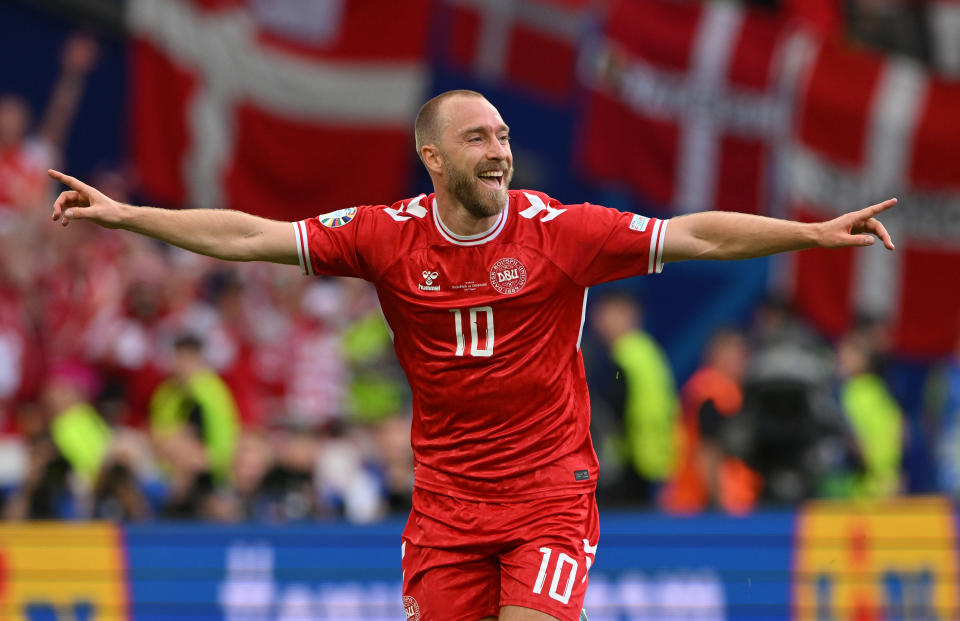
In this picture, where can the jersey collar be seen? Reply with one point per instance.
(471, 240)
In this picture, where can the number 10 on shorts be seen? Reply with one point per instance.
(562, 562)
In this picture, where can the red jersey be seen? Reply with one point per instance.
(487, 329)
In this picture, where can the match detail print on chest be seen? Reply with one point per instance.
(496, 274)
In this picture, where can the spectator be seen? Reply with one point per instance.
(196, 399)
(648, 411)
(25, 156)
(118, 495)
(66, 443)
(709, 474)
(190, 485)
(791, 430)
(377, 390)
(46, 491)
(78, 431)
(287, 491)
(873, 415)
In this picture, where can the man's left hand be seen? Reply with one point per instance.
(857, 228)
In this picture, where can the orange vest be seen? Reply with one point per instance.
(737, 485)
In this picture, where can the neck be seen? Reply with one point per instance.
(460, 221)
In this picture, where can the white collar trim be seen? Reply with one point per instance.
(471, 240)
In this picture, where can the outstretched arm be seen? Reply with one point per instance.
(728, 235)
(219, 233)
(79, 56)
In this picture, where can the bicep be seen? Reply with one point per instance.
(680, 243)
(274, 241)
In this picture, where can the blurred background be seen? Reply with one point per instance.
(159, 393)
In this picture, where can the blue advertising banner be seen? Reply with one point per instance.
(233, 573)
(649, 567)
(828, 561)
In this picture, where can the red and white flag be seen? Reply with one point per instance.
(871, 127)
(530, 45)
(283, 109)
(687, 101)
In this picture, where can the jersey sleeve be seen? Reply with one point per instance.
(594, 244)
(332, 244)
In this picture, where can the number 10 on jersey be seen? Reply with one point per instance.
(475, 348)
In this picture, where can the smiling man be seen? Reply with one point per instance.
(484, 290)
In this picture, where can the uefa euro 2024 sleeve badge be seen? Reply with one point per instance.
(337, 218)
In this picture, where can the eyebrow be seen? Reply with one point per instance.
(479, 129)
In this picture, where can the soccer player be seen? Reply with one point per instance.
(484, 290)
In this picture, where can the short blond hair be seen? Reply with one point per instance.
(429, 123)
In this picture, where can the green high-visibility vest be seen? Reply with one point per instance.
(170, 408)
(878, 426)
(651, 404)
(82, 437)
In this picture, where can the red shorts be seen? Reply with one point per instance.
(464, 559)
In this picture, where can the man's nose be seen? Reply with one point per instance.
(497, 150)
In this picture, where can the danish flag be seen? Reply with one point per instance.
(871, 127)
(690, 101)
(507, 41)
(283, 109)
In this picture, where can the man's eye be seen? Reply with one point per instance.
(504, 138)
(474, 139)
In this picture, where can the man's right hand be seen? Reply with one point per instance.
(84, 202)
(221, 233)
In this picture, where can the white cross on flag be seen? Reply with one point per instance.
(530, 45)
(281, 108)
(871, 127)
(687, 100)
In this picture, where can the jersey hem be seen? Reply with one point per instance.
(550, 492)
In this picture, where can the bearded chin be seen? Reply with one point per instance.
(479, 202)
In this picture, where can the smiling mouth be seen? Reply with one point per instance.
(493, 179)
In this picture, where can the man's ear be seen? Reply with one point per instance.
(430, 155)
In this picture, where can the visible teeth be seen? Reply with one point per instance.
(492, 173)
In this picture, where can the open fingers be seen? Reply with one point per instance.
(70, 198)
(876, 227)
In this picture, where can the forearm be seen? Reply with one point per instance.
(62, 107)
(218, 233)
(722, 235)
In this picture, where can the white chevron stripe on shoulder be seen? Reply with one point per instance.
(537, 206)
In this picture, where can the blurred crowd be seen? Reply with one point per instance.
(775, 415)
(139, 381)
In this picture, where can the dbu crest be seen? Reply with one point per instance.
(411, 608)
(508, 276)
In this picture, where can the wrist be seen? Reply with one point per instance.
(813, 234)
(126, 215)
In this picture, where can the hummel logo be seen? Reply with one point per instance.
(428, 278)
